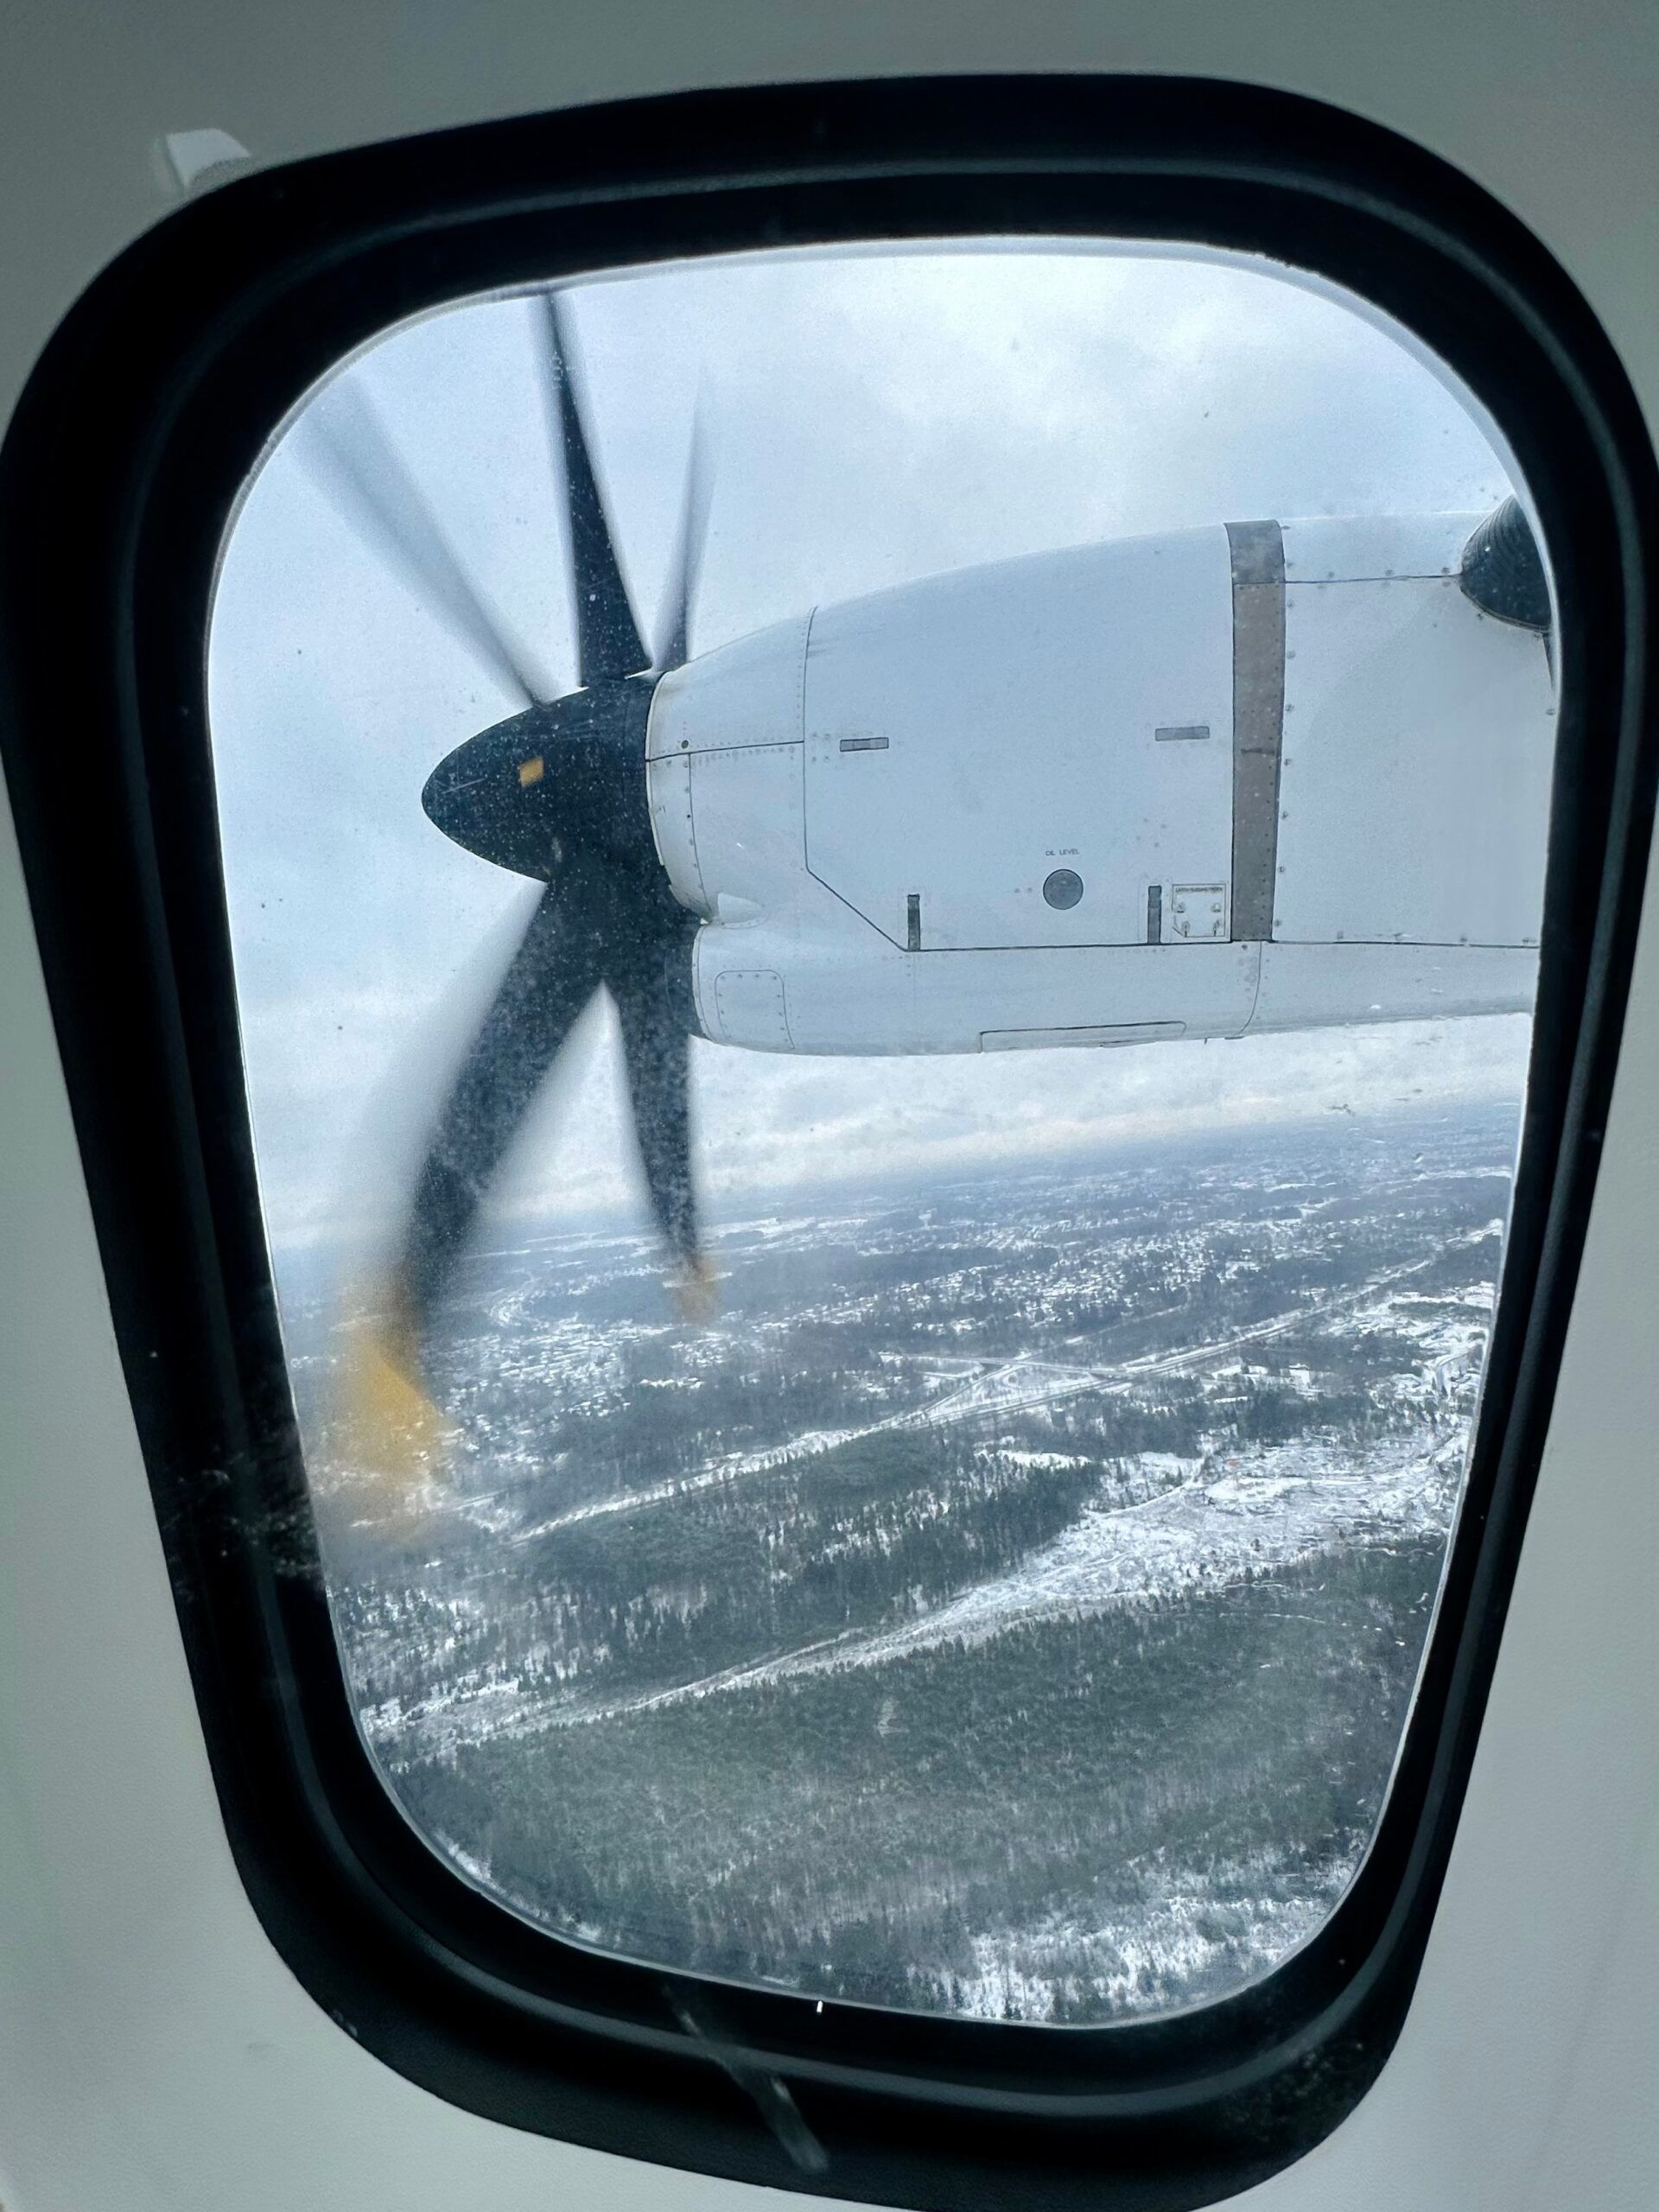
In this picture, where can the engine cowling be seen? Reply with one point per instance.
(1179, 785)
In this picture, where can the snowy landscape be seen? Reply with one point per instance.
(1008, 1605)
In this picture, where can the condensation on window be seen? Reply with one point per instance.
(884, 909)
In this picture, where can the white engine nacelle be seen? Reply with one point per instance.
(1243, 778)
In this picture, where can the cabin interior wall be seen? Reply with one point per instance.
(154, 2053)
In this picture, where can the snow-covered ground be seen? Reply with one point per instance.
(1187, 1931)
(1266, 1509)
(1257, 1511)
(1336, 1311)
(966, 1390)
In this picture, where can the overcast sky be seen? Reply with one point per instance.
(870, 419)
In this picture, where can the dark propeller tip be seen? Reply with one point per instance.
(1501, 571)
(608, 642)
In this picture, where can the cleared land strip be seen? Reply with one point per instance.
(1015, 1387)
(1286, 1504)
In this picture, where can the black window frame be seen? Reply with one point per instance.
(143, 420)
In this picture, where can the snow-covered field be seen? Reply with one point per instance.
(1258, 1510)
(1178, 1938)
(1267, 1509)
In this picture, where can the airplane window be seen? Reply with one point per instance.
(886, 908)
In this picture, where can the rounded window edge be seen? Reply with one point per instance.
(439, 1982)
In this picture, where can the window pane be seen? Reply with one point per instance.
(885, 908)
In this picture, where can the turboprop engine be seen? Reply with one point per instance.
(1252, 777)
(1245, 778)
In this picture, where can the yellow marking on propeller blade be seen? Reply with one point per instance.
(396, 1441)
(695, 1288)
(532, 771)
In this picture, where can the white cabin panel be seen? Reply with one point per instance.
(745, 693)
(1062, 720)
(1089, 994)
(1414, 796)
(814, 978)
(818, 979)
(668, 792)
(746, 822)
(1347, 549)
(1334, 986)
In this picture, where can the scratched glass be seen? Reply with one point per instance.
(885, 910)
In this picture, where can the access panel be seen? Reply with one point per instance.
(1016, 755)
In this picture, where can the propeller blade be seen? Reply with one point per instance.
(552, 976)
(597, 923)
(656, 1049)
(686, 565)
(608, 635)
(356, 466)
